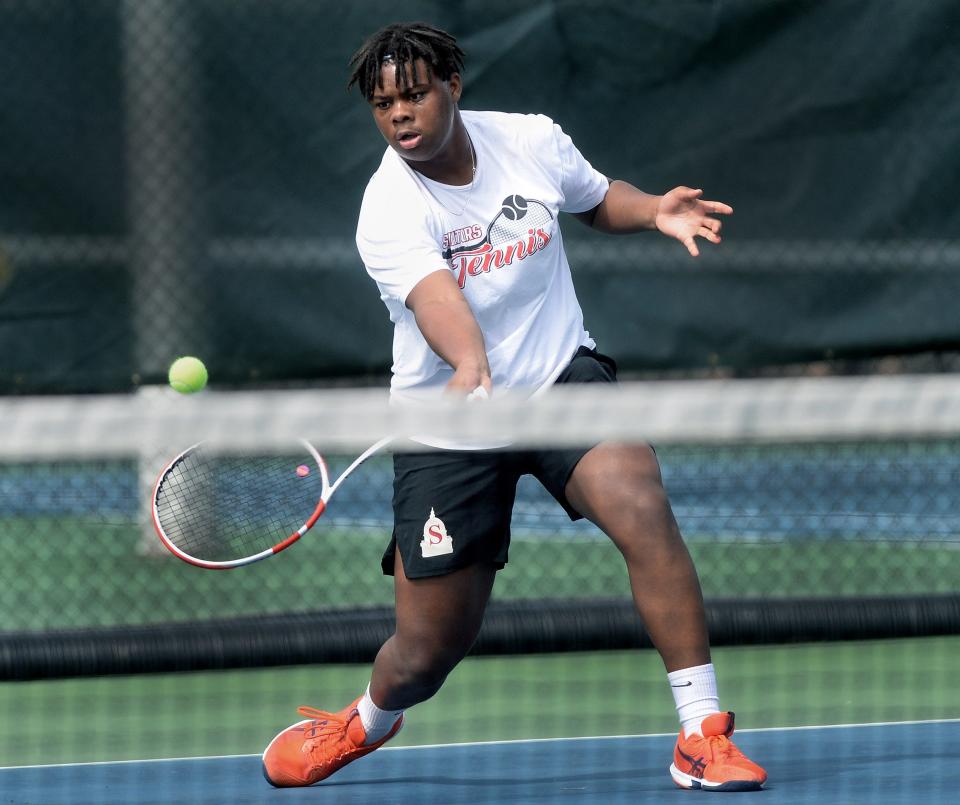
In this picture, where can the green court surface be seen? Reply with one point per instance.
(96, 574)
(237, 712)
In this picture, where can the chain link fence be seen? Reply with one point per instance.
(762, 521)
(184, 177)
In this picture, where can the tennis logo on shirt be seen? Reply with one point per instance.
(436, 541)
(521, 228)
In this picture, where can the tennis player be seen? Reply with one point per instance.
(459, 230)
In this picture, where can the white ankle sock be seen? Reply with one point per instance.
(376, 722)
(695, 695)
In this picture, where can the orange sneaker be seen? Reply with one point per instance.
(712, 762)
(312, 750)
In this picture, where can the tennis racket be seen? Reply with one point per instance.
(218, 510)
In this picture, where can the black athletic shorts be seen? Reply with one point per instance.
(452, 508)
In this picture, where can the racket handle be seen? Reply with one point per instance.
(479, 393)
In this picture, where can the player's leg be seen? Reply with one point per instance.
(438, 620)
(451, 530)
(619, 488)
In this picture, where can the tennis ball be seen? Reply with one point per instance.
(187, 375)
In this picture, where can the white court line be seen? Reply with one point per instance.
(499, 743)
(673, 734)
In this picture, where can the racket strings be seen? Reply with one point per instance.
(221, 508)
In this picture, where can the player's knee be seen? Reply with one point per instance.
(649, 506)
(644, 525)
(427, 663)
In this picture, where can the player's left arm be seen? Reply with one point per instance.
(682, 214)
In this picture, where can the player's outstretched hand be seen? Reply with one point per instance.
(684, 215)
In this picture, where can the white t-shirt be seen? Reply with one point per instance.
(501, 239)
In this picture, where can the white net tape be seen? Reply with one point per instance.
(680, 412)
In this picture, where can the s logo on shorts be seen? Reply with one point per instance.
(436, 541)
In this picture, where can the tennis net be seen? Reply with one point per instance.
(815, 509)
(820, 508)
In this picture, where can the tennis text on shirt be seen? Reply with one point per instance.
(515, 238)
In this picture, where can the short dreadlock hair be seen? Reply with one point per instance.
(402, 44)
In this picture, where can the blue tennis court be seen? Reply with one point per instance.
(875, 763)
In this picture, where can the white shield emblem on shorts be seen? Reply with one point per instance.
(436, 541)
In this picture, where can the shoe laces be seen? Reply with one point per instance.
(322, 725)
(722, 747)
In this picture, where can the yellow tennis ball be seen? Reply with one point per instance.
(187, 375)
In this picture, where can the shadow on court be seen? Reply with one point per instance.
(882, 765)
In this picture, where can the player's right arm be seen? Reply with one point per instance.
(447, 323)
